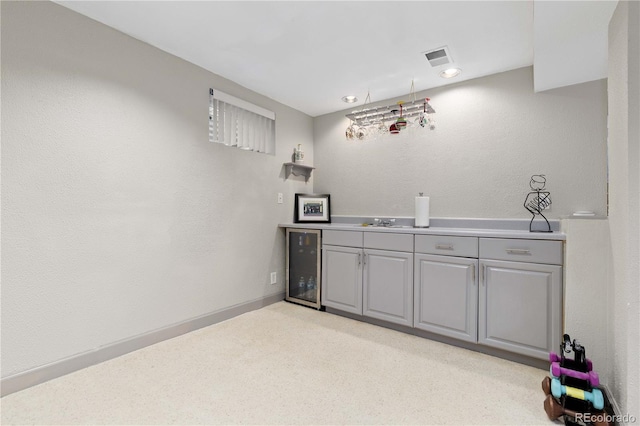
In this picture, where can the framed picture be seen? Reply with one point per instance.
(312, 208)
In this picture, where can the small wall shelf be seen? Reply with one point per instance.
(298, 169)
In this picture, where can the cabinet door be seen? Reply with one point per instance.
(446, 296)
(520, 307)
(342, 278)
(388, 286)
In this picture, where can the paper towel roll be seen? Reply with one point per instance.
(422, 212)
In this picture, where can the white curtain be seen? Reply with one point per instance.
(238, 123)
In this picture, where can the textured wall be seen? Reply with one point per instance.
(118, 216)
(624, 208)
(586, 278)
(492, 134)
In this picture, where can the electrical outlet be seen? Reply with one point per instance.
(274, 279)
(280, 198)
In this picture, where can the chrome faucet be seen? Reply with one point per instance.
(383, 222)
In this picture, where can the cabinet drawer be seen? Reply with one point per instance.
(532, 251)
(342, 238)
(447, 245)
(388, 241)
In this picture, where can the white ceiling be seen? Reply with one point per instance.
(308, 54)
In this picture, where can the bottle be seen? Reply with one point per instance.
(301, 286)
(311, 287)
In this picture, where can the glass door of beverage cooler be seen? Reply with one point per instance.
(303, 266)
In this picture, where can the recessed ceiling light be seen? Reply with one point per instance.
(349, 99)
(451, 72)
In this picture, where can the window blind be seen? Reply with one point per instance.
(238, 123)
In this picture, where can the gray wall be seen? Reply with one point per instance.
(624, 207)
(492, 134)
(118, 216)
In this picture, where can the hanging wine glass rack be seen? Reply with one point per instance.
(380, 114)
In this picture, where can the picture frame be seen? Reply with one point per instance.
(312, 208)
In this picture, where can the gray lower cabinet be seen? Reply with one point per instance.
(361, 277)
(446, 296)
(498, 292)
(520, 307)
(342, 278)
(388, 286)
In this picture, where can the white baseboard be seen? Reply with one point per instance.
(26, 379)
(611, 399)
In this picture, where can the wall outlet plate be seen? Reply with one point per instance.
(274, 278)
(280, 198)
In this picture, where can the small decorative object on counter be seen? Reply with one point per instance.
(298, 154)
(538, 200)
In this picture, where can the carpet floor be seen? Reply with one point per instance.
(287, 364)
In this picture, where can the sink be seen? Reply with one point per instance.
(370, 225)
(359, 225)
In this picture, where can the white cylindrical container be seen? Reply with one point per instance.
(422, 212)
(298, 154)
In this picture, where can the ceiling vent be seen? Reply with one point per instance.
(440, 56)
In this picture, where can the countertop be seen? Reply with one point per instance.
(489, 228)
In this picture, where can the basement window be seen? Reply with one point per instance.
(238, 123)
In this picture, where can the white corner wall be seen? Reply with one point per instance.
(118, 216)
(492, 134)
(624, 206)
(586, 281)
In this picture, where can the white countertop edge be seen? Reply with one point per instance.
(466, 232)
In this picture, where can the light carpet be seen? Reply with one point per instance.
(287, 364)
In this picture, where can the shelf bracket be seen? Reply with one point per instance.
(298, 169)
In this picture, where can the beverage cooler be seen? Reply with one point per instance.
(303, 266)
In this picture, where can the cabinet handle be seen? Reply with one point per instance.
(473, 273)
(518, 251)
(359, 259)
(444, 246)
(484, 275)
(364, 261)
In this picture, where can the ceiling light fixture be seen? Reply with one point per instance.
(350, 99)
(450, 72)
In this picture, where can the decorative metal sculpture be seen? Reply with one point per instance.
(538, 200)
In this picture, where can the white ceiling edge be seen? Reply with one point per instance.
(570, 42)
(304, 55)
(309, 54)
